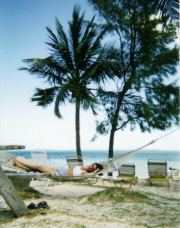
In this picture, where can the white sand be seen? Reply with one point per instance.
(70, 207)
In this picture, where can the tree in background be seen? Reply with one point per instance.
(145, 93)
(77, 61)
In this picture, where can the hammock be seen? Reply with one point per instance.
(114, 163)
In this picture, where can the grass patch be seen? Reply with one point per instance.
(135, 196)
(118, 195)
(30, 193)
(110, 194)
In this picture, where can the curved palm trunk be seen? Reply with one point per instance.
(77, 123)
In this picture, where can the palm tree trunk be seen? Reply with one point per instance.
(77, 120)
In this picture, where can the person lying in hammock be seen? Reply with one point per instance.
(60, 171)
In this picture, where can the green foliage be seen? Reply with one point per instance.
(30, 193)
(169, 9)
(118, 195)
(145, 93)
(142, 62)
(77, 64)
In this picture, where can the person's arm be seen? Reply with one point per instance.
(86, 173)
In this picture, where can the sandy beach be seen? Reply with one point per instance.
(80, 205)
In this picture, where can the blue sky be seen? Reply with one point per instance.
(23, 35)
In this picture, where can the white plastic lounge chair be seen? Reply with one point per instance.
(175, 177)
(176, 174)
(40, 157)
(157, 172)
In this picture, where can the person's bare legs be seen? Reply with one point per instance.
(26, 165)
(19, 165)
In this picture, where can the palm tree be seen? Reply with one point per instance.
(169, 8)
(77, 61)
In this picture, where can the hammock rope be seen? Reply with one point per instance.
(155, 140)
(167, 134)
(115, 162)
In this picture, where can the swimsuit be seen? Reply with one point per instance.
(60, 171)
(77, 171)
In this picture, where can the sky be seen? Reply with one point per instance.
(23, 35)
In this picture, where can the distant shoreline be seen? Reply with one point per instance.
(121, 150)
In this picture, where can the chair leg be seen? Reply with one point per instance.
(121, 184)
(131, 182)
(103, 183)
(114, 182)
(94, 180)
(136, 181)
(47, 183)
(147, 183)
(168, 183)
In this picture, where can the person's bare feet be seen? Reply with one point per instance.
(14, 159)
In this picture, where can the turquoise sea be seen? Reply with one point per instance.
(58, 158)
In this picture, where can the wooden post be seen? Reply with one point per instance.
(8, 191)
(12, 147)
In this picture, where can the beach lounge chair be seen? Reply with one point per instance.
(157, 172)
(126, 174)
(40, 157)
(18, 175)
(73, 161)
(175, 176)
(127, 171)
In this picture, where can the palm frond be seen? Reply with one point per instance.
(76, 29)
(170, 8)
(48, 69)
(90, 102)
(44, 97)
(61, 98)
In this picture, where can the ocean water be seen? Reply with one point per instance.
(57, 158)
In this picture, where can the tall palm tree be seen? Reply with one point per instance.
(77, 63)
